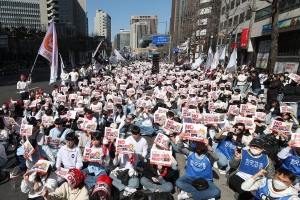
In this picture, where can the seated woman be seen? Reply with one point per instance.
(35, 183)
(157, 178)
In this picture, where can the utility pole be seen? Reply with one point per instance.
(170, 41)
(253, 10)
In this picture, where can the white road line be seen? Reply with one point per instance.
(30, 89)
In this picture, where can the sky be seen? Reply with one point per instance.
(121, 10)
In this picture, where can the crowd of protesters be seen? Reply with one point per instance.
(256, 149)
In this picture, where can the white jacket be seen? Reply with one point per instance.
(70, 158)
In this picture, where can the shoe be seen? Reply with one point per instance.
(11, 148)
(17, 171)
(236, 196)
(183, 195)
(125, 193)
(130, 189)
(145, 188)
(215, 165)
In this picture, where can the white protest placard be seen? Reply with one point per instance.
(72, 96)
(28, 149)
(213, 95)
(96, 108)
(123, 87)
(261, 116)
(197, 118)
(249, 122)
(195, 132)
(41, 166)
(212, 118)
(161, 157)
(192, 102)
(62, 172)
(109, 106)
(79, 98)
(79, 111)
(162, 110)
(124, 146)
(26, 103)
(187, 113)
(173, 126)
(212, 106)
(32, 104)
(90, 126)
(296, 138)
(294, 77)
(111, 133)
(26, 130)
(235, 97)
(284, 127)
(10, 120)
(130, 91)
(162, 141)
(246, 109)
(81, 122)
(61, 98)
(160, 95)
(64, 89)
(53, 141)
(286, 109)
(159, 118)
(71, 114)
(234, 110)
(92, 154)
(117, 100)
(47, 120)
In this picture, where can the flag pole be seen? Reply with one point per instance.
(34, 63)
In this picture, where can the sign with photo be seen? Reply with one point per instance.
(195, 132)
(249, 122)
(187, 113)
(173, 126)
(286, 109)
(47, 120)
(28, 149)
(111, 133)
(90, 126)
(284, 127)
(296, 138)
(261, 116)
(71, 114)
(246, 109)
(234, 110)
(41, 166)
(10, 121)
(162, 141)
(161, 157)
(92, 154)
(117, 100)
(197, 118)
(212, 118)
(79, 111)
(160, 118)
(26, 130)
(124, 146)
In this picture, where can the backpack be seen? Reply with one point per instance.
(271, 146)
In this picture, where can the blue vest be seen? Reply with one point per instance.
(199, 168)
(251, 165)
(226, 147)
(264, 191)
(292, 163)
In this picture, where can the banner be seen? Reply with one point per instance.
(261, 116)
(284, 127)
(123, 146)
(290, 67)
(197, 118)
(244, 39)
(47, 120)
(28, 149)
(263, 54)
(249, 122)
(49, 50)
(212, 118)
(234, 110)
(187, 113)
(246, 109)
(296, 138)
(111, 133)
(90, 126)
(172, 126)
(92, 154)
(41, 167)
(26, 130)
(295, 77)
(162, 141)
(10, 121)
(159, 118)
(196, 132)
(161, 157)
(286, 109)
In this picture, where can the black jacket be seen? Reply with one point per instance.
(290, 95)
(255, 82)
(274, 87)
(151, 171)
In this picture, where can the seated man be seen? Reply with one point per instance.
(280, 187)
(199, 165)
(145, 123)
(248, 163)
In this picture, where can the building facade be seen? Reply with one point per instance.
(102, 24)
(137, 31)
(17, 13)
(151, 20)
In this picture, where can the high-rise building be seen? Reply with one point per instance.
(122, 39)
(137, 31)
(102, 24)
(17, 13)
(151, 20)
(70, 14)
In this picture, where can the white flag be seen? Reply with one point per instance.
(215, 61)
(208, 59)
(196, 64)
(118, 55)
(49, 50)
(222, 55)
(62, 66)
(232, 62)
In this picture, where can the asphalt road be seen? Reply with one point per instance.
(41, 80)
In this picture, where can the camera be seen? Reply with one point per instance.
(239, 146)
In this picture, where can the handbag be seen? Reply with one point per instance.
(200, 184)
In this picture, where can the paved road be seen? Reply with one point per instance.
(41, 79)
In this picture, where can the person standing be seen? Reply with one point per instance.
(22, 86)
(64, 76)
(254, 79)
(74, 77)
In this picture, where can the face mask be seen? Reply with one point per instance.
(255, 151)
(278, 185)
(145, 115)
(3, 107)
(119, 110)
(200, 152)
(46, 108)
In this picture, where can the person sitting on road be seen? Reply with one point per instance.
(104, 190)
(199, 165)
(280, 187)
(3, 158)
(146, 123)
(4, 137)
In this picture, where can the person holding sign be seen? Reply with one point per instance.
(95, 169)
(22, 86)
(280, 187)
(35, 183)
(199, 166)
(129, 106)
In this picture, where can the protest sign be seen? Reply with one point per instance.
(249, 122)
(26, 130)
(28, 149)
(90, 126)
(53, 141)
(235, 97)
(261, 116)
(212, 118)
(130, 91)
(41, 167)
(62, 172)
(124, 146)
(64, 89)
(162, 110)
(47, 120)
(109, 106)
(71, 114)
(213, 106)
(187, 113)
(32, 104)
(173, 126)
(72, 96)
(92, 154)
(213, 95)
(286, 109)
(81, 123)
(246, 109)
(162, 141)
(79, 111)
(295, 77)
(96, 108)
(159, 118)
(26, 103)
(117, 100)
(160, 95)
(234, 110)
(296, 138)
(111, 133)
(284, 127)
(192, 102)
(10, 121)
(197, 118)
(161, 157)
(61, 98)
(196, 132)
(123, 87)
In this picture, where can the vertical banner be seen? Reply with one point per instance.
(244, 39)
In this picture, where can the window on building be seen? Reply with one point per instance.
(223, 10)
(261, 14)
(242, 17)
(237, 3)
(230, 22)
(248, 14)
(232, 5)
(235, 20)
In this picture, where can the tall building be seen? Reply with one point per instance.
(102, 24)
(137, 31)
(151, 20)
(69, 14)
(122, 39)
(17, 13)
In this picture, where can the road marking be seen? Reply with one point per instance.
(30, 89)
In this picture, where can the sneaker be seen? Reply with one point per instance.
(17, 171)
(215, 165)
(11, 148)
(145, 188)
(125, 193)
(130, 189)
(183, 195)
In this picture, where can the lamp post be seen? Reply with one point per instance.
(166, 22)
